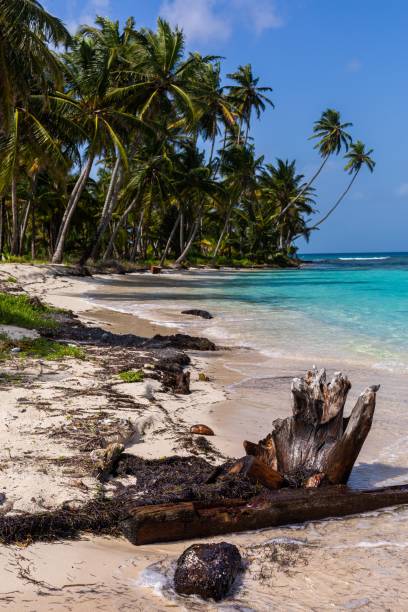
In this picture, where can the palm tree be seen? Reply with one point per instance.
(240, 168)
(102, 121)
(214, 108)
(25, 30)
(158, 79)
(278, 185)
(247, 97)
(358, 157)
(117, 50)
(332, 136)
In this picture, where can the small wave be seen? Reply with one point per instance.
(362, 258)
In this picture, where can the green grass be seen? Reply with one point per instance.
(132, 376)
(39, 348)
(10, 279)
(17, 310)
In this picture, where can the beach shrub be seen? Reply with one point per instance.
(19, 310)
(39, 348)
(132, 376)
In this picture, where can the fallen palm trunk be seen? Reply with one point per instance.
(187, 520)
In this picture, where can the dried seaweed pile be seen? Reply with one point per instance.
(158, 481)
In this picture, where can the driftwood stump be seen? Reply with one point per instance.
(317, 444)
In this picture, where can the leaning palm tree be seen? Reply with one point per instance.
(333, 137)
(247, 97)
(358, 157)
(25, 30)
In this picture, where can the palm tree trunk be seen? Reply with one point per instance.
(138, 237)
(305, 188)
(33, 231)
(107, 211)
(29, 206)
(14, 209)
(2, 204)
(173, 231)
(224, 230)
(181, 231)
(190, 241)
(70, 209)
(340, 199)
(23, 227)
(116, 229)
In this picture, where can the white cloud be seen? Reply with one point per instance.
(205, 20)
(402, 190)
(354, 65)
(199, 19)
(260, 14)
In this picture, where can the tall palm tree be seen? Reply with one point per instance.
(116, 47)
(26, 28)
(278, 185)
(159, 76)
(247, 97)
(240, 168)
(333, 137)
(357, 158)
(102, 121)
(214, 108)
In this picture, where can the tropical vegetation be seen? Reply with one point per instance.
(117, 143)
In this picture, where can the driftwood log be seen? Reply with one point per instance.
(317, 444)
(186, 520)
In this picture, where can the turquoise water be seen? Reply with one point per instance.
(352, 306)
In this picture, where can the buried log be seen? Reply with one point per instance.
(188, 520)
(317, 439)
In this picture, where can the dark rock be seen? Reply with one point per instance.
(172, 360)
(2, 498)
(178, 382)
(207, 570)
(204, 314)
(180, 341)
(201, 430)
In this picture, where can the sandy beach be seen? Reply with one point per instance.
(351, 563)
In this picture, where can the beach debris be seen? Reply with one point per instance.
(317, 444)
(201, 430)
(155, 269)
(148, 392)
(106, 459)
(195, 312)
(257, 472)
(201, 519)
(202, 377)
(208, 570)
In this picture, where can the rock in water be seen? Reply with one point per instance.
(207, 570)
(201, 430)
(204, 314)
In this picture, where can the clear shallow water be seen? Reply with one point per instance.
(352, 306)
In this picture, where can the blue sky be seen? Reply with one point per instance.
(348, 55)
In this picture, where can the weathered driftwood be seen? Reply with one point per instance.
(186, 520)
(317, 440)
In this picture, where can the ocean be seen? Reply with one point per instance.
(347, 306)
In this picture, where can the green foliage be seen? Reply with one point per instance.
(39, 348)
(18, 310)
(132, 376)
(179, 177)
